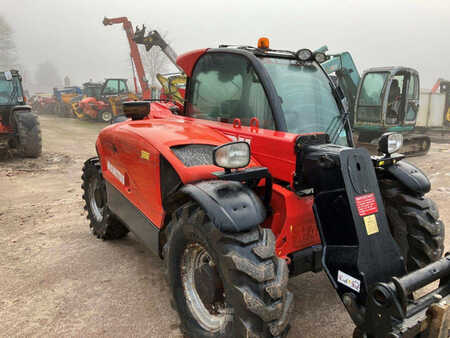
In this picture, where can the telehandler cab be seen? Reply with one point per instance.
(289, 194)
(19, 127)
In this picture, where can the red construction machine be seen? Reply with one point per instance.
(255, 180)
(136, 60)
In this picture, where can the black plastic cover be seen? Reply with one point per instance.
(231, 206)
(410, 176)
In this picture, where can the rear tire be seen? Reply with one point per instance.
(29, 134)
(248, 297)
(103, 223)
(415, 224)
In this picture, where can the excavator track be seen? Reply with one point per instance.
(415, 145)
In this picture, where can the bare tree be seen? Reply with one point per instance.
(8, 53)
(47, 76)
(154, 62)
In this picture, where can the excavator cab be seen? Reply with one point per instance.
(387, 100)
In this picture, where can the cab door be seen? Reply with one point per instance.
(370, 99)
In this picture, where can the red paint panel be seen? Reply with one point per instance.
(188, 60)
(366, 204)
(292, 221)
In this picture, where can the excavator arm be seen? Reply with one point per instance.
(134, 52)
(173, 84)
(152, 39)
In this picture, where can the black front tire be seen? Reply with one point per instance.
(253, 278)
(29, 134)
(415, 224)
(103, 223)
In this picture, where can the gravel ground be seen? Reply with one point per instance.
(56, 279)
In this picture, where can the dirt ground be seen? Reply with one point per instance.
(56, 279)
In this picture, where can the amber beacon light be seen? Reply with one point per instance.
(263, 43)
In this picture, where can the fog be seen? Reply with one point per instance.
(71, 35)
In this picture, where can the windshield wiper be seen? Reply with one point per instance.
(338, 123)
(335, 127)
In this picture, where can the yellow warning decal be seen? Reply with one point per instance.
(371, 224)
(145, 155)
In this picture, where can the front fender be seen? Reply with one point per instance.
(410, 176)
(231, 206)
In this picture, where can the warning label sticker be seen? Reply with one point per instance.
(371, 224)
(117, 174)
(145, 155)
(366, 204)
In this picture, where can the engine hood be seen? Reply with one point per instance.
(159, 136)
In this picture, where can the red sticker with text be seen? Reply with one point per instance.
(366, 204)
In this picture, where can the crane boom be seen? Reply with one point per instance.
(134, 52)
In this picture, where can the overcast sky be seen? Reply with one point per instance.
(70, 33)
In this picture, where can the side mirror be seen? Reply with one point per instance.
(136, 110)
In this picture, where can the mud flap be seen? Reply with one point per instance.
(362, 260)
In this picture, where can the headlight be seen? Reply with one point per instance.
(304, 54)
(232, 155)
(320, 57)
(390, 143)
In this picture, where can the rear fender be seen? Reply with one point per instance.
(24, 107)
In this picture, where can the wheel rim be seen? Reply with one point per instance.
(106, 116)
(97, 199)
(211, 316)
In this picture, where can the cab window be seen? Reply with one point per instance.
(370, 99)
(111, 87)
(225, 87)
(122, 87)
(413, 96)
(413, 90)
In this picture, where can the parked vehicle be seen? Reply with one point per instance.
(19, 126)
(289, 194)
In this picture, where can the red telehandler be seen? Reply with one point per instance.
(257, 180)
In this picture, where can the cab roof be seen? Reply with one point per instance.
(392, 70)
(188, 60)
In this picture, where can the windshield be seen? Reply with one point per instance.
(93, 91)
(10, 92)
(306, 97)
